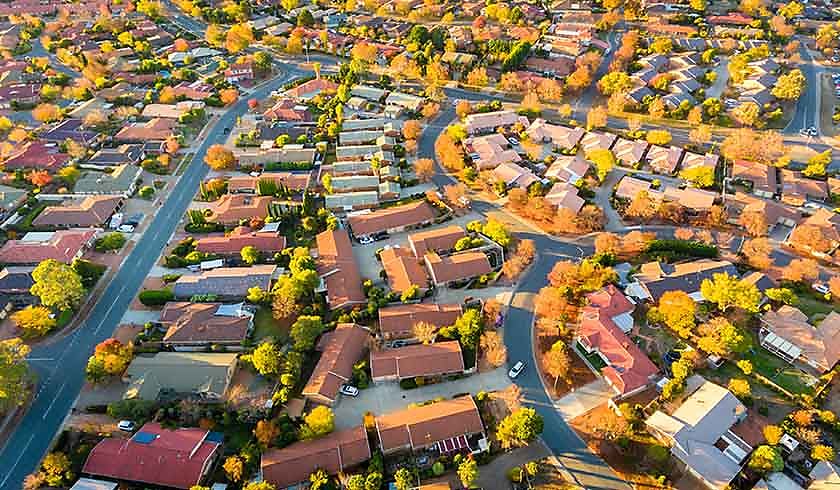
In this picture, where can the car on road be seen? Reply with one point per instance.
(349, 390)
(380, 235)
(811, 205)
(365, 240)
(227, 130)
(126, 426)
(513, 141)
(516, 370)
(126, 228)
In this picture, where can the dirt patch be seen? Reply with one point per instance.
(579, 373)
(127, 332)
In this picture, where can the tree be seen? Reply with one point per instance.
(818, 164)
(615, 82)
(757, 252)
(607, 243)
(747, 114)
(497, 232)
(424, 332)
(822, 452)
(34, 321)
(469, 327)
(699, 176)
(604, 161)
(258, 485)
(234, 468)
(39, 178)
(519, 428)
(726, 291)
(789, 86)
(642, 206)
(266, 359)
(754, 222)
(404, 479)
(250, 255)
(596, 117)
(14, 373)
(801, 270)
(759, 146)
(745, 366)
(773, 434)
(721, 338)
(219, 158)
(659, 137)
(228, 95)
(662, 45)
(46, 113)
(110, 358)
(656, 108)
(424, 169)
(493, 347)
(266, 432)
(320, 421)
(238, 37)
(412, 129)
(766, 459)
(55, 469)
(557, 361)
(305, 330)
(740, 388)
(57, 285)
(468, 472)
(478, 77)
(677, 310)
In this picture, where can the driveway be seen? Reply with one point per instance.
(722, 72)
(388, 396)
(602, 199)
(584, 399)
(494, 473)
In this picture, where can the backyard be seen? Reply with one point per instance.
(265, 325)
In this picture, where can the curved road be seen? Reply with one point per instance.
(60, 366)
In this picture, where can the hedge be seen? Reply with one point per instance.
(156, 297)
(683, 247)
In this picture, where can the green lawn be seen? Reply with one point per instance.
(266, 326)
(780, 372)
(593, 358)
(813, 307)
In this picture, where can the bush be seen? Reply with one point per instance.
(146, 192)
(88, 271)
(682, 247)
(156, 297)
(174, 262)
(136, 410)
(110, 241)
(169, 278)
(203, 227)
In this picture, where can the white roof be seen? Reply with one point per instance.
(782, 345)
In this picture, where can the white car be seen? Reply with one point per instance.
(126, 229)
(513, 141)
(516, 369)
(820, 288)
(126, 426)
(349, 390)
(365, 240)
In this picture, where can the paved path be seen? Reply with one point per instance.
(584, 399)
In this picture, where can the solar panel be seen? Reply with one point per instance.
(144, 437)
(215, 437)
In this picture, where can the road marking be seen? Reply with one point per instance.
(55, 399)
(36, 359)
(108, 313)
(22, 452)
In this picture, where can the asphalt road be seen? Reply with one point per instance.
(807, 107)
(60, 366)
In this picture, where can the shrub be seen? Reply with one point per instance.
(136, 410)
(156, 297)
(110, 241)
(682, 247)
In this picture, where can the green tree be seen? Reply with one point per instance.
(782, 295)
(721, 337)
(766, 459)
(250, 255)
(604, 161)
(14, 373)
(320, 421)
(745, 366)
(700, 176)
(266, 359)
(469, 327)
(34, 321)
(662, 45)
(305, 330)
(468, 472)
(727, 291)
(497, 232)
(57, 285)
(519, 428)
(404, 479)
(55, 469)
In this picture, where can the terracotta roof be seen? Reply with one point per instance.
(820, 344)
(796, 189)
(762, 176)
(691, 198)
(610, 301)
(36, 154)
(89, 211)
(340, 349)
(419, 427)
(436, 240)
(157, 129)
(457, 267)
(333, 453)
(205, 322)
(403, 269)
(338, 269)
(664, 159)
(240, 237)
(232, 208)
(565, 195)
(405, 215)
(411, 361)
(295, 181)
(561, 136)
(156, 456)
(62, 245)
(394, 321)
(629, 187)
(312, 87)
(288, 110)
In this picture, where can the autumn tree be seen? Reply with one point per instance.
(56, 470)
(305, 330)
(801, 270)
(463, 108)
(228, 95)
(412, 129)
(234, 467)
(596, 117)
(57, 285)
(700, 176)
(46, 113)
(424, 169)
(15, 378)
(676, 309)
(519, 428)
(789, 86)
(607, 243)
(219, 158)
(766, 459)
(772, 434)
(759, 146)
(553, 304)
(266, 432)
(822, 452)
(604, 161)
(238, 37)
(754, 222)
(320, 421)
(266, 359)
(658, 137)
(811, 236)
(449, 153)
(425, 332)
(493, 347)
(478, 77)
(557, 361)
(642, 206)
(34, 321)
(726, 291)
(110, 358)
(721, 337)
(757, 253)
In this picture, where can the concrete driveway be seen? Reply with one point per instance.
(388, 396)
(584, 399)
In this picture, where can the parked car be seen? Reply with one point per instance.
(820, 288)
(365, 240)
(126, 228)
(349, 390)
(126, 426)
(516, 370)
(513, 141)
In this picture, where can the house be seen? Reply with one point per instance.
(340, 349)
(490, 151)
(120, 181)
(512, 175)
(392, 220)
(700, 433)
(266, 242)
(249, 184)
(656, 278)
(403, 270)
(774, 212)
(180, 458)
(397, 322)
(762, 178)
(197, 90)
(565, 196)
(35, 247)
(694, 160)
(630, 187)
(231, 209)
(336, 452)
(456, 268)
(196, 326)
(353, 183)
(367, 92)
(788, 334)
(308, 90)
(695, 201)
(199, 374)
(560, 137)
(115, 157)
(445, 426)
(19, 93)
(79, 213)
(603, 329)
(664, 160)
(629, 152)
(11, 198)
(824, 476)
(69, 129)
(36, 155)
(260, 158)
(490, 121)
(225, 282)
(569, 169)
(15, 285)
(436, 360)
(288, 110)
(172, 111)
(352, 201)
(240, 72)
(339, 272)
(597, 140)
(157, 129)
(404, 100)
(436, 240)
(797, 189)
(823, 224)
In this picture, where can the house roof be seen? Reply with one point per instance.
(542, 131)
(459, 266)
(154, 455)
(312, 88)
(436, 240)
(595, 140)
(659, 277)
(565, 195)
(513, 174)
(36, 154)
(629, 187)
(664, 159)
(691, 198)
(798, 187)
(205, 322)
(338, 269)
(157, 129)
(333, 453)
(762, 176)
(340, 350)
(692, 160)
(630, 151)
(820, 344)
(400, 318)
(88, 211)
(240, 237)
(403, 269)
(474, 123)
(418, 427)
(11, 197)
(33, 248)
(72, 129)
(568, 168)
(296, 181)
(492, 151)
(405, 215)
(119, 181)
(824, 476)
(418, 360)
(17, 279)
(123, 154)
(225, 281)
(232, 208)
(198, 372)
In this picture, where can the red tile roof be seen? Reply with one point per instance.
(200, 322)
(62, 245)
(440, 358)
(403, 269)
(340, 349)
(293, 180)
(397, 321)
(420, 427)
(156, 456)
(38, 155)
(338, 269)
(312, 87)
(437, 240)
(232, 208)
(457, 267)
(240, 237)
(89, 211)
(406, 215)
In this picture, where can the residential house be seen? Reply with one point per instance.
(788, 334)
(120, 181)
(797, 189)
(629, 152)
(352, 201)
(79, 213)
(249, 184)
(513, 175)
(225, 282)
(172, 111)
(392, 220)
(69, 129)
(774, 212)
(433, 361)
(568, 169)
(340, 349)
(630, 187)
(288, 110)
(15, 285)
(180, 458)
(266, 242)
(565, 196)
(197, 90)
(308, 90)
(231, 209)
(35, 247)
(340, 276)
(403, 269)
(353, 183)
(693, 160)
(436, 240)
(822, 223)
(451, 269)
(700, 434)
(36, 155)
(445, 427)
(407, 101)
(197, 326)
(397, 322)
(488, 122)
(762, 178)
(11, 198)
(240, 72)
(490, 151)
(115, 157)
(336, 452)
(664, 160)
(264, 158)
(199, 374)
(597, 140)
(695, 201)
(656, 278)
(373, 94)
(157, 129)
(19, 93)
